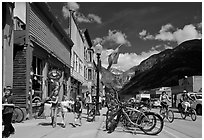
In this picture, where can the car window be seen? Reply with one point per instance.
(199, 96)
(193, 97)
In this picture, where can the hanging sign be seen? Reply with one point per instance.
(55, 74)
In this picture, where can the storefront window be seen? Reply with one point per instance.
(37, 76)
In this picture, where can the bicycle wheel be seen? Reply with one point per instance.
(91, 115)
(193, 115)
(170, 116)
(151, 123)
(162, 112)
(112, 122)
(18, 115)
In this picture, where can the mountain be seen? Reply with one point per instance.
(166, 68)
(116, 71)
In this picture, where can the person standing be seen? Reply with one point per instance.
(88, 101)
(77, 111)
(54, 100)
(8, 101)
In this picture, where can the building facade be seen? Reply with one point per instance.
(7, 43)
(89, 68)
(39, 48)
(77, 58)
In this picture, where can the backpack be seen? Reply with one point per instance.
(77, 106)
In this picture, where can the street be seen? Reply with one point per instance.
(41, 128)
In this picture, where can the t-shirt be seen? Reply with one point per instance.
(9, 100)
(77, 107)
(164, 98)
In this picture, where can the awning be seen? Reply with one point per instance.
(19, 37)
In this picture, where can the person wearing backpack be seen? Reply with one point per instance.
(77, 111)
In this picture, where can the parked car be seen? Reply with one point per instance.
(155, 103)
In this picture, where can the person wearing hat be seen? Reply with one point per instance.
(163, 100)
(8, 101)
(185, 100)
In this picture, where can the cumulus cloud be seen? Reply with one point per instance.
(95, 18)
(80, 17)
(166, 28)
(133, 59)
(73, 6)
(187, 33)
(169, 33)
(116, 37)
(144, 35)
(97, 40)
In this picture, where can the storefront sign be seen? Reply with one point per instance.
(55, 74)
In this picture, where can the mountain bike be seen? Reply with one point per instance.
(166, 113)
(190, 112)
(130, 117)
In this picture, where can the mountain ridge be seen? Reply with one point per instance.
(167, 66)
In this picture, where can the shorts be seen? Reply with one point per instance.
(77, 115)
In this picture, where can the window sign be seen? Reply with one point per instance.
(55, 74)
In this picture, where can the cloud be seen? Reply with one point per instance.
(133, 59)
(146, 36)
(187, 33)
(80, 17)
(95, 18)
(116, 37)
(166, 28)
(73, 6)
(168, 33)
(143, 33)
(97, 40)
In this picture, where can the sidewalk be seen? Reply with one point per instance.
(40, 128)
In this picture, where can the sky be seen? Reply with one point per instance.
(143, 28)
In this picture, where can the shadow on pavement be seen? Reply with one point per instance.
(44, 124)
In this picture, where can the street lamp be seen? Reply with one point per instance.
(98, 51)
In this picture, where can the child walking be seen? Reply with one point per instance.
(77, 111)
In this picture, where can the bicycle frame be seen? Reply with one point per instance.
(139, 114)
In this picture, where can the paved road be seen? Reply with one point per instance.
(41, 128)
(178, 129)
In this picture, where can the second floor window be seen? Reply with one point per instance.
(90, 56)
(89, 74)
